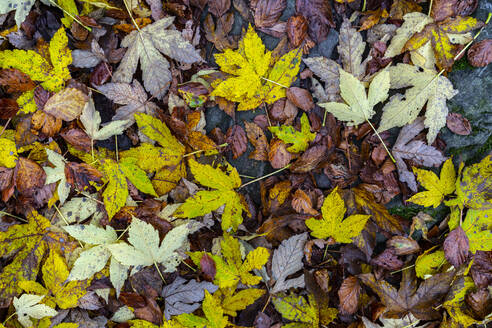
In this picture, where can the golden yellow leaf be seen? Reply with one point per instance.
(230, 267)
(332, 224)
(250, 69)
(28, 242)
(436, 187)
(303, 313)
(232, 300)
(429, 263)
(214, 315)
(204, 202)
(52, 74)
(67, 104)
(8, 153)
(55, 274)
(116, 192)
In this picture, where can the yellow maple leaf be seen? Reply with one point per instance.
(206, 201)
(116, 192)
(52, 72)
(28, 243)
(436, 187)
(332, 224)
(232, 300)
(303, 313)
(230, 267)
(8, 153)
(214, 315)
(289, 135)
(251, 73)
(55, 273)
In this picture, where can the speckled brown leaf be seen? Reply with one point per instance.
(480, 54)
(388, 260)
(29, 175)
(300, 97)
(481, 270)
(297, 27)
(66, 104)
(400, 8)
(442, 9)
(278, 154)
(236, 138)
(44, 123)
(77, 138)
(267, 12)
(207, 266)
(258, 139)
(319, 15)
(465, 7)
(458, 124)
(81, 176)
(456, 247)
(348, 294)
(480, 301)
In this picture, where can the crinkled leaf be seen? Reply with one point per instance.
(287, 260)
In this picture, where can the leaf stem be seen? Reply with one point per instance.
(71, 16)
(265, 176)
(66, 221)
(130, 14)
(189, 266)
(124, 231)
(5, 126)
(267, 115)
(403, 269)
(201, 150)
(364, 6)
(8, 318)
(380, 139)
(430, 8)
(14, 216)
(160, 273)
(271, 81)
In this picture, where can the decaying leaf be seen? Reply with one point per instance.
(145, 46)
(332, 224)
(214, 315)
(415, 150)
(57, 174)
(287, 260)
(184, 296)
(91, 119)
(303, 313)
(251, 73)
(424, 88)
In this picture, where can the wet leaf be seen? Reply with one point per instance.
(458, 124)
(348, 295)
(319, 15)
(287, 260)
(480, 54)
(91, 119)
(27, 306)
(145, 46)
(456, 247)
(332, 224)
(289, 135)
(258, 139)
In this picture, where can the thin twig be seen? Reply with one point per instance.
(5, 127)
(201, 150)
(14, 216)
(160, 273)
(271, 81)
(267, 115)
(265, 176)
(124, 231)
(380, 139)
(430, 8)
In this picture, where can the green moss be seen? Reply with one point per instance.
(409, 211)
(462, 64)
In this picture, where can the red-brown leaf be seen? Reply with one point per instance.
(456, 247)
(297, 27)
(348, 294)
(458, 124)
(480, 54)
(236, 138)
(8, 108)
(301, 98)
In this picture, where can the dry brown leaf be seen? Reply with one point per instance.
(458, 124)
(300, 97)
(29, 176)
(297, 27)
(348, 294)
(218, 7)
(218, 33)
(319, 15)
(278, 154)
(301, 203)
(8, 108)
(480, 54)
(45, 123)
(236, 138)
(456, 247)
(267, 12)
(400, 8)
(67, 104)
(15, 81)
(258, 139)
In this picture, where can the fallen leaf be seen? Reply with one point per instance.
(349, 294)
(184, 296)
(303, 313)
(297, 28)
(205, 201)
(319, 15)
(360, 105)
(289, 135)
(28, 176)
(45, 123)
(388, 260)
(57, 174)
(14, 80)
(219, 7)
(301, 98)
(217, 33)
(8, 153)
(458, 124)
(328, 72)
(416, 151)
(67, 104)
(131, 96)
(480, 54)
(27, 306)
(214, 315)
(403, 245)
(409, 299)
(474, 186)
(278, 155)
(351, 47)
(436, 187)
(258, 139)
(91, 119)
(287, 260)
(250, 73)
(236, 138)
(332, 224)
(424, 88)
(400, 8)
(22, 9)
(267, 12)
(456, 247)
(145, 45)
